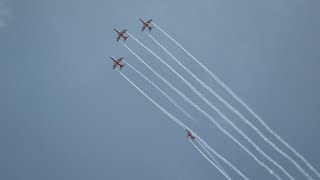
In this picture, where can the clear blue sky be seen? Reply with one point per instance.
(65, 114)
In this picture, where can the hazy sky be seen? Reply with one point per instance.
(65, 114)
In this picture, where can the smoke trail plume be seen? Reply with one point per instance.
(235, 111)
(210, 161)
(177, 121)
(208, 116)
(167, 96)
(218, 111)
(224, 86)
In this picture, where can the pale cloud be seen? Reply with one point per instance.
(4, 13)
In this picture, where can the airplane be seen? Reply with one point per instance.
(121, 34)
(190, 136)
(117, 62)
(146, 24)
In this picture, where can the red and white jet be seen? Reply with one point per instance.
(146, 24)
(117, 62)
(190, 136)
(121, 34)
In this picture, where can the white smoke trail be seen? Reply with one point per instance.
(235, 111)
(207, 115)
(177, 121)
(216, 162)
(216, 166)
(201, 141)
(167, 96)
(218, 111)
(224, 86)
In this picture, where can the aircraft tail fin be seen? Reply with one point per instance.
(121, 66)
(125, 38)
(150, 28)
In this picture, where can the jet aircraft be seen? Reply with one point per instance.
(189, 135)
(121, 34)
(117, 62)
(146, 24)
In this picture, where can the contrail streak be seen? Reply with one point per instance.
(235, 111)
(200, 141)
(177, 121)
(210, 161)
(207, 115)
(205, 149)
(167, 96)
(218, 111)
(224, 86)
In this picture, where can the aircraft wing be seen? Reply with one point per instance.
(116, 30)
(149, 21)
(120, 59)
(115, 65)
(124, 31)
(143, 28)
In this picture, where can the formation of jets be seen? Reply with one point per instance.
(117, 62)
(121, 34)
